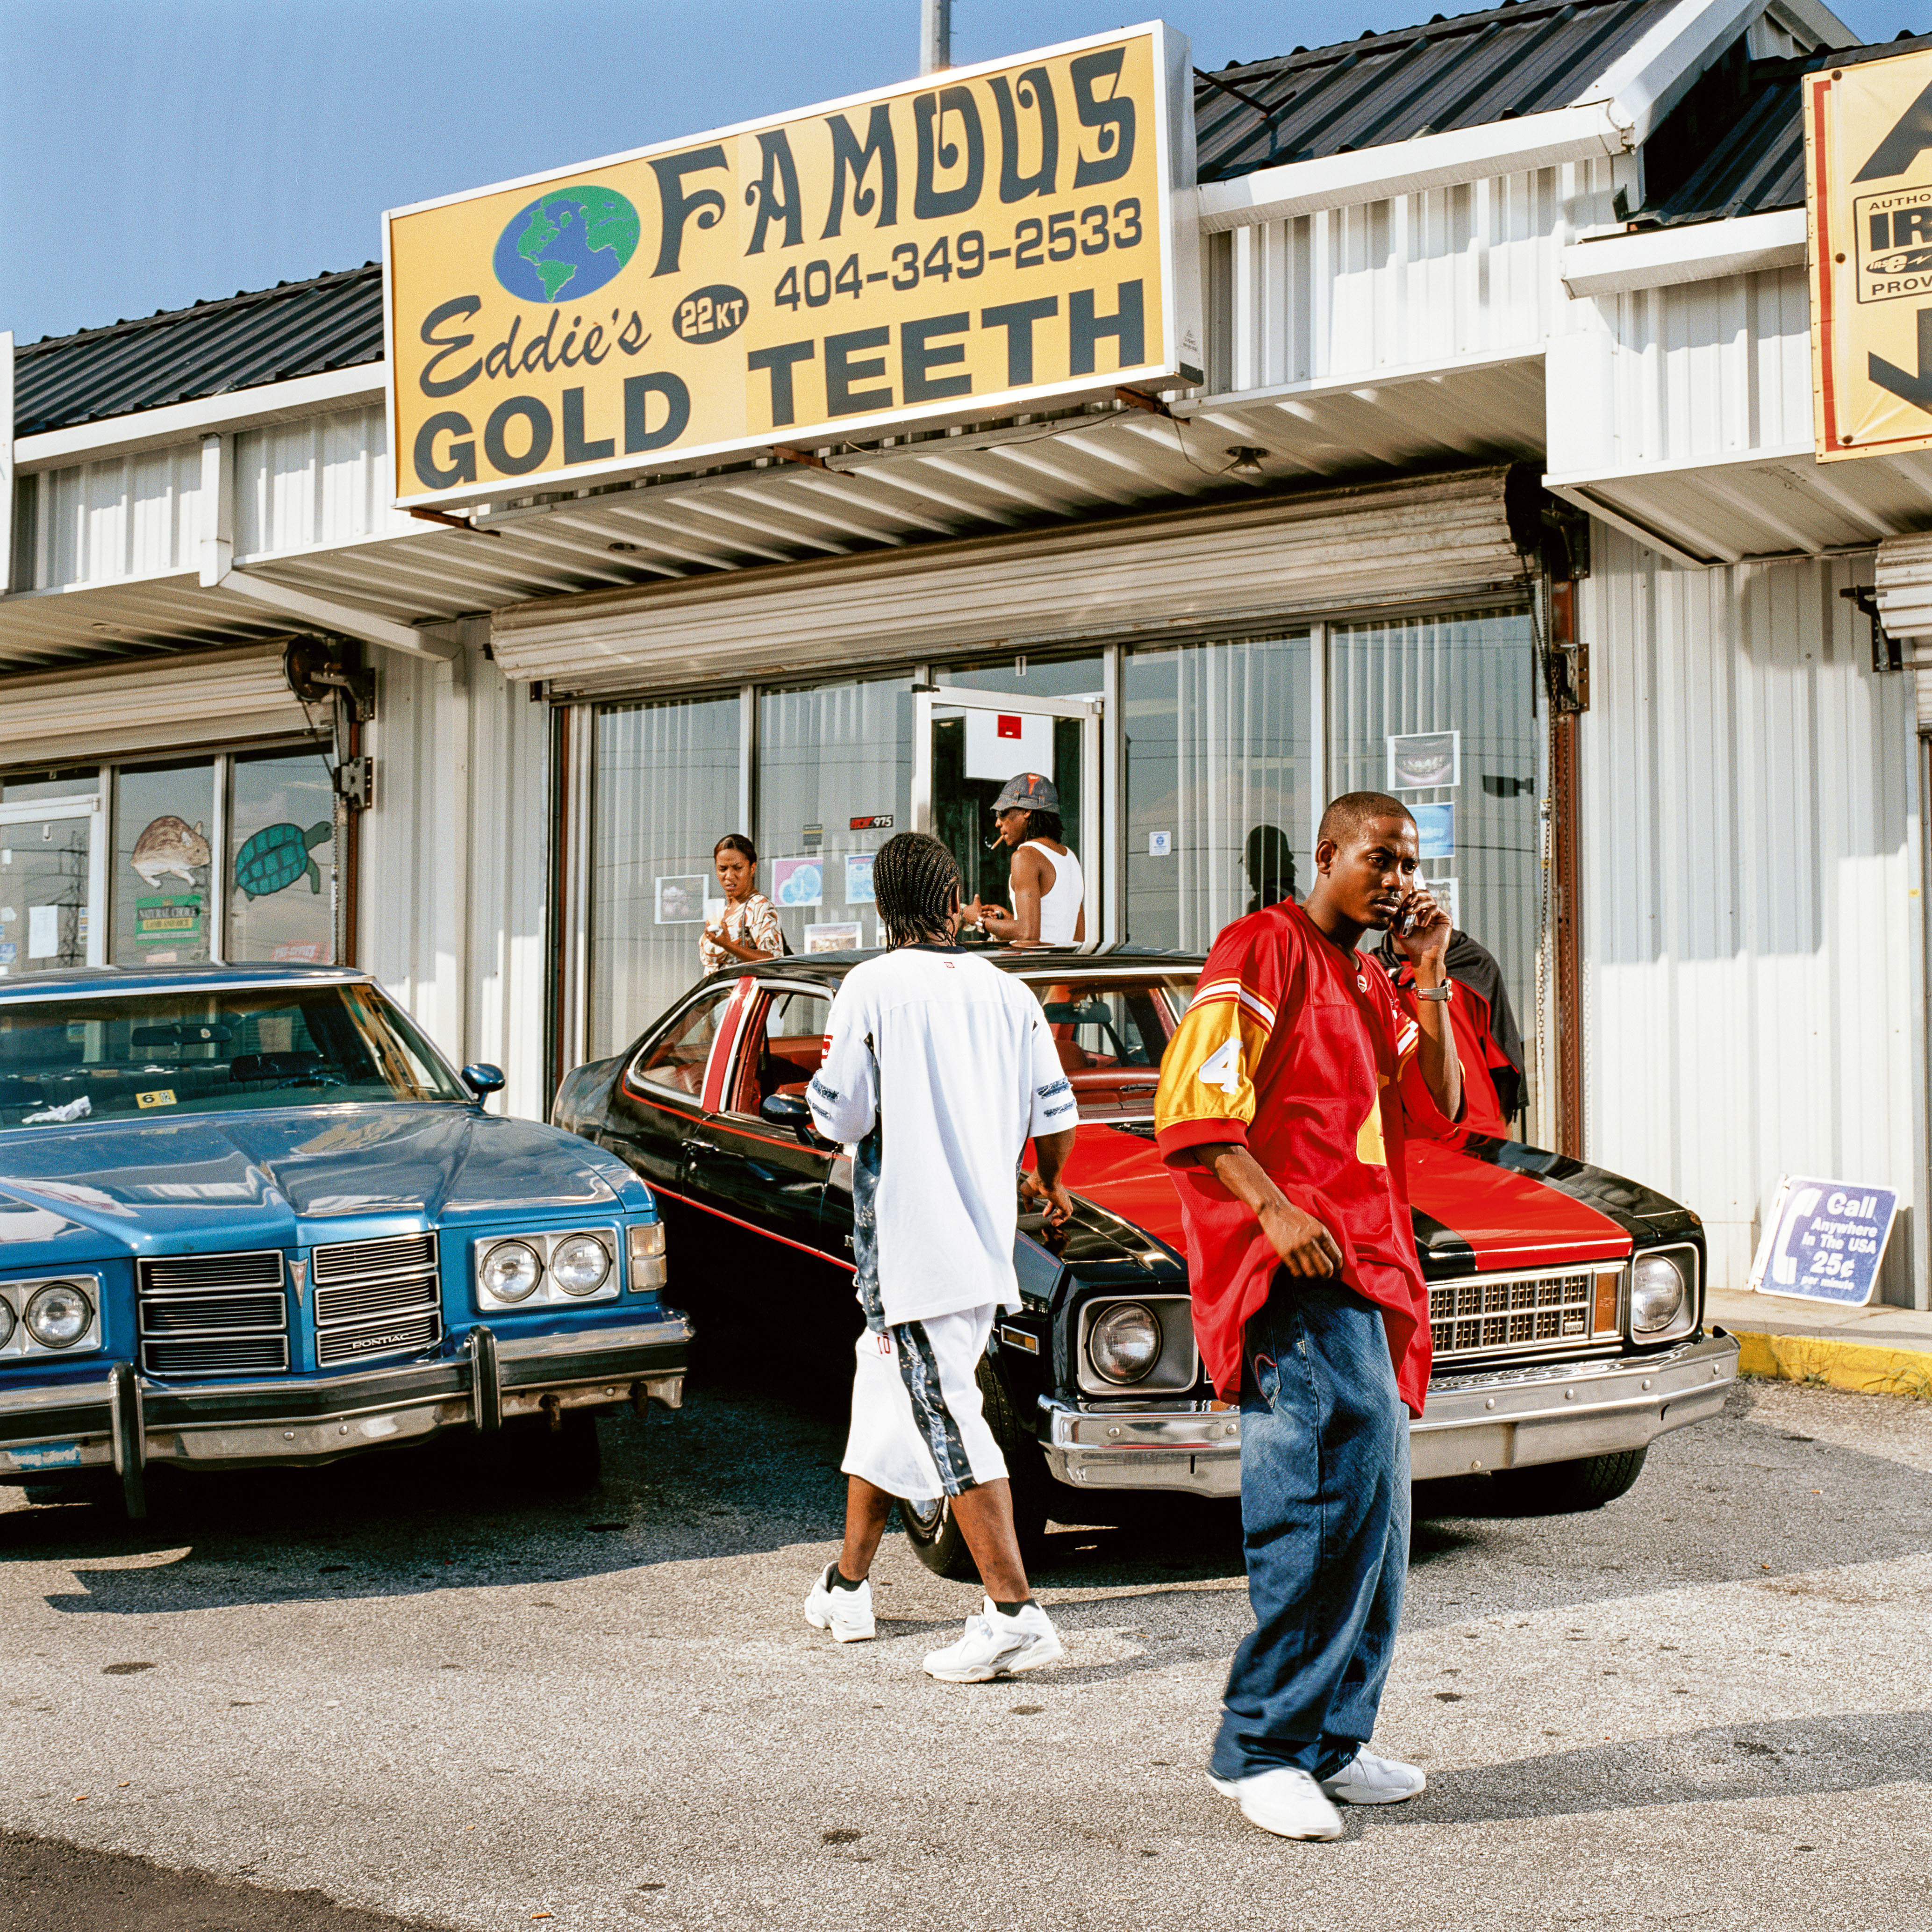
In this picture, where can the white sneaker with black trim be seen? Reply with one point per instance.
(996, 1645)
(1366, 1779)
(1284, 1800)
(847, 1614)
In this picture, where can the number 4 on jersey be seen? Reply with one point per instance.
(1223, 1067)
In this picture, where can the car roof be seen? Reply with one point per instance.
(1105, 957)
(153, 980)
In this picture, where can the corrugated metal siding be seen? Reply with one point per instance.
(1748, 921)
(264, 335)
(1432, 277)
(453, 861)
(131, 516)
(1460, 73)
(323, 479)
(1710, 369)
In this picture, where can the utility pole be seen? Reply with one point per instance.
(935, 35)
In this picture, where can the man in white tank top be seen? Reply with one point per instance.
(1049, 893)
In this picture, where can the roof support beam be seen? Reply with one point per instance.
(218, 573)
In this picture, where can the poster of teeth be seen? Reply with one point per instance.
(1421, 760)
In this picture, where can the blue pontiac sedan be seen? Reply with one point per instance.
(249, 1215)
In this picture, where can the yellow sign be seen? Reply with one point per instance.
(1868, 178)
(955, 248)
(156, 1096)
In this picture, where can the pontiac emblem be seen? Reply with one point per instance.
(299, 1270)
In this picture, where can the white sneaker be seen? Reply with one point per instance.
(1285, 1802)
(996, 1645)
(847, 1614)
(1366, 1779)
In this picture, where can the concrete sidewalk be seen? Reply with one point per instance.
(1876, 1350)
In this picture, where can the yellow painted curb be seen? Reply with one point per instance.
(1832, 1364)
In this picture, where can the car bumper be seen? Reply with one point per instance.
(127, 1422)
(1503, 1419)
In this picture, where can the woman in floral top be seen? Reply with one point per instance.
(749, 930)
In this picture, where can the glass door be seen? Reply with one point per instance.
(53, 884)
(967, 744)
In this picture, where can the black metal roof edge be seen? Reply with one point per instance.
(210, 309)
(1759, 167)
(1438, 27)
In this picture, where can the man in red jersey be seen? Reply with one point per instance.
(1488, 1041)
(1280, 1118)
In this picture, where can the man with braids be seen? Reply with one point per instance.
(937, 1069)
(1279, 1115)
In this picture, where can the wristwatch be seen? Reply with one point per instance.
(1440, 993)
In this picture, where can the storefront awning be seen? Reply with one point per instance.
(1285, 557)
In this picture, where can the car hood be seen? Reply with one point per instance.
(71, 1194)
(1478, 1204)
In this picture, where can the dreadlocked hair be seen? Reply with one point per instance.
(914, 879)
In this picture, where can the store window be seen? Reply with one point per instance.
(1441, 711)
(1220, 743)
(664, 791)
(280, 875)
(273, 895)
(164, 829)
(834, 783)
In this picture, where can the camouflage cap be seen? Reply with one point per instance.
(1028, 792)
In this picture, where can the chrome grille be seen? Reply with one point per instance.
(217, 1355)
(201, 1314)
(261, 1268)
(347, 1260)
(1483, 1316)
(376, 1297)
(348, 1345)
(214, 1315)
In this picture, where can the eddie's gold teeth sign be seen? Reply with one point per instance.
(976, 242)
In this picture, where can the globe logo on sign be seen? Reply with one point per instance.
(567, 244)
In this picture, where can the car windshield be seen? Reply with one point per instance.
(195, 1050)
(1110, 1030)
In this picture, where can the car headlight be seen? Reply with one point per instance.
(510, 1271)
(1657, 1289)
(1125, 1342)
(6, 1322)
(645, 1243)
(580, 1264)
(58, 1315)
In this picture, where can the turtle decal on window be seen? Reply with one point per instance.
(274, 858)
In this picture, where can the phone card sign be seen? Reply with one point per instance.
(1824, 1241)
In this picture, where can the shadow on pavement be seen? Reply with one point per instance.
(1793, 1757)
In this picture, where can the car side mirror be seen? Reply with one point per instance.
(787, 1110)
(483, 1079)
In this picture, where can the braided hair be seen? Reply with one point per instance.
(915, 880)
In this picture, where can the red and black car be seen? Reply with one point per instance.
(1566, 1303)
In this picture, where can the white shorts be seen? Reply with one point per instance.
(919, 1429)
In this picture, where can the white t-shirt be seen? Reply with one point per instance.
(937, 1069)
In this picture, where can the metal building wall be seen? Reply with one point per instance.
(1750, 924)
(126, 516)
(1431, 277)
(454, 860)
(319, 480)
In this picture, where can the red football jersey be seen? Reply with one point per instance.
(1296, 1049)
(1476, 1047)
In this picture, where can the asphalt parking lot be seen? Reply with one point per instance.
(405, 1687)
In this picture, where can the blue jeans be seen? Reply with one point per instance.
(1324, 1520)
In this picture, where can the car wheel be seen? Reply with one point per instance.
(1557, 1489)
(932, 1528)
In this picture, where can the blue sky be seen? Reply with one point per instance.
(155, 152)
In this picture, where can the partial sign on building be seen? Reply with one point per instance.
(985, 240)
(1868, 176)
(1824, 1240)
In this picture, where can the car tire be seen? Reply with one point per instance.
(932, 1529)
(1561, 1489)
